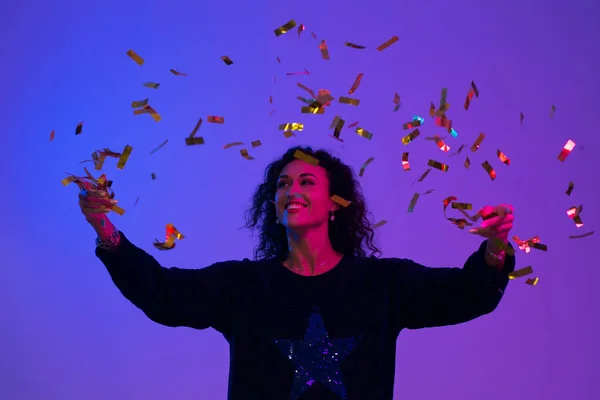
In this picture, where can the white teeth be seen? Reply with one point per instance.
(295, 206)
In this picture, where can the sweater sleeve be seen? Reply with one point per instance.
(430, 297)
(198, 298)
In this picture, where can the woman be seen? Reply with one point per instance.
(313, 317)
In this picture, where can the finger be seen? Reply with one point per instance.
(508, 209)
(485, 211)
(497, 221)
(504, 228)
(95, 210)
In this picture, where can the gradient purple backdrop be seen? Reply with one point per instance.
(68, 334)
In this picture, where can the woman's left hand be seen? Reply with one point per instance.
(497, 222)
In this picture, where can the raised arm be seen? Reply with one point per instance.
(429, 297)
(199, 298)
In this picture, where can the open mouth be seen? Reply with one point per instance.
(295, 206)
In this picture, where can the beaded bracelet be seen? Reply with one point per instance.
(109, 243)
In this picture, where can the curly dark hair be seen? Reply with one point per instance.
(350, 233)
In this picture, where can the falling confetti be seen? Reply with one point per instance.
(438, 165)
(151, 85)
(364, 133)
(338, 200)
(285, 28)
(365, 165)
(79, 128)
(503, 157)
(135, 57)
(177, 73)
(387, 44)
(52, 135)
(354, 46)
(397, 102)
(300, 155)
(324, 50)
(226, 60)
(552, 110)
(215, 119)
(356, 84)
(477, 143)
(521, 118)
(348, 100)
(405, 162)
(160, 146)
(567, 149)
(488, 168)
(172, 234)
(124, 157)
(413, 202)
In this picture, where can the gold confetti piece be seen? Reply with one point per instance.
(278, 60)
(148, 110)
(79, 128)
(244, 153)
(567, 149)
(136, 201)
(135, 57)
(470, 95)
(467, 163)
(153, 176)
(552, 111)
(229, 145)
(352, 125)
(488, 168)
(139, 103)
(191, 141)
(503, 157)
(285, 28)
(172, 234)
(348, 100)
(424, 175)
(151, 85)
(379, 224)
(342, 202)
(526, 245)
(438, 165)
(270, 99)
(52, 135)
(405, 163)
(410, 137)
(291, 126)
(477, 143)
(177, 73)
(570, 188)
(124, 157)
(474, 87)
(411, 124)
(337, 126)
(354, 46)
(397, 102)
(117, 210)
(432, 110)
(521, 117)
(520, 273)
(387, 44)
(159, 146)
(459, 222)
(215, 119)
(582, 235)
(462, 206)
(312, 110)
(324, 50)
(364, 133)
(314, 36)
(226, 60)
(413, 202)
(288, 134)
(300, 155)
(305, 72)
(532, 281)
(68, 180)
(440, 143)
(356, 84)
(255, 143)
(428, 192)
(365, 165)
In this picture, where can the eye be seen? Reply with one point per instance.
(281, 184)
(307, 181)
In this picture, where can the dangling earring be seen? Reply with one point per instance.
(277, 220)
(332, 216)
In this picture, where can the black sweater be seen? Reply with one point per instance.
(291, 337)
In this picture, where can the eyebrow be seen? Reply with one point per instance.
(301, 175)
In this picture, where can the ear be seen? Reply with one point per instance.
(334, 206)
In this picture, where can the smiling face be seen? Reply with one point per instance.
(302, 198)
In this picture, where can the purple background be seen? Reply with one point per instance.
(68, 334)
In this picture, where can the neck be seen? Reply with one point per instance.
(311, 253)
